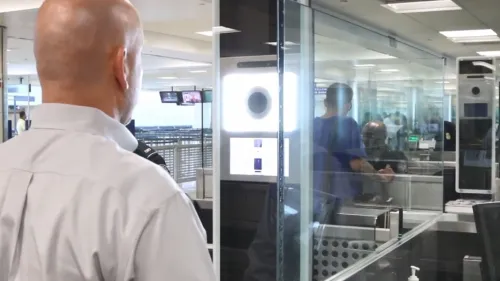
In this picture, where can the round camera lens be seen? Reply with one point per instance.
(476, 91)
(257, 103)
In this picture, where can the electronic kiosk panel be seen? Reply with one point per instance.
(249, 104)
(476, 109)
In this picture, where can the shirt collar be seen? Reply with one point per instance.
(82, 119)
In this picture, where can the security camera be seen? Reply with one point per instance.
(476, 91)
(259, 102)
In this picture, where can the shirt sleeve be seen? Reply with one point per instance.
(173, 245)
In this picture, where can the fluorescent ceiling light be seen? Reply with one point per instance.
(168, 78)
(321, 80)
(442, 82)
(287, 43)
(217, 29)
(198, 71)
(471, 36)
(364, 65)
(489, 53)
(389, 70)
(422, 6)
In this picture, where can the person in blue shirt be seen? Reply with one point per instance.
(339, 152)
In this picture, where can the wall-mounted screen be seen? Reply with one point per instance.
(169, 97)
(191, 97)
(256, 156)
(207, 96)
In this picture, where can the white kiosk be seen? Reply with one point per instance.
(475, 147)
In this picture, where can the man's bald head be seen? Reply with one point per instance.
(90, 45)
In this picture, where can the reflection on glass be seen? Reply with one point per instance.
(377, 112)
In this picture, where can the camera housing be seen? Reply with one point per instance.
(249, 115)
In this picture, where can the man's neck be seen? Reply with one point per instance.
(331, 113)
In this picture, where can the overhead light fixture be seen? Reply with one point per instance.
(287, 43)
(364, 65)
(442, 82)
(471, 36)
(198, 71)
(390, 70)
(489, 53)
(421, 6)
(217, 30)
(168, 78)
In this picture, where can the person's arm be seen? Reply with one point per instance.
(173, 245)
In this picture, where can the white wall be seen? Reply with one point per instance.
(151, 112)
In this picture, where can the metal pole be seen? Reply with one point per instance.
(4, 105)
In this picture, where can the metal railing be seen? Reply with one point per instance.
(183, 152)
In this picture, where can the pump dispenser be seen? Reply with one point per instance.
(413, 276)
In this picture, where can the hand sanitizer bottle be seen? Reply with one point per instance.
(413, 276)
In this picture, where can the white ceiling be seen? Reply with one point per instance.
(423, 28)
(173, 49)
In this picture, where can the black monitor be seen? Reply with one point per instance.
(169, 96)
(487, 218)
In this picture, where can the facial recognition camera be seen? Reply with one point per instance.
(475, 147)
(250, 118)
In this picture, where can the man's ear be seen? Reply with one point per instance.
(120, 68)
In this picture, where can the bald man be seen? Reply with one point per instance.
(75, 203)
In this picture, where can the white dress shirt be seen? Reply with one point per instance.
(77, 205)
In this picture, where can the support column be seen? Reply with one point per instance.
(4, 107)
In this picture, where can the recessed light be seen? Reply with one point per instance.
(422, 6)
(198, 71)
(389, 70)
(442, 82)
(168, 78)
(489, 53)
(217, 29)
(471, 36)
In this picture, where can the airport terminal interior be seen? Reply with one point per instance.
(235, 98)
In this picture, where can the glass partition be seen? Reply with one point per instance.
(360, 142)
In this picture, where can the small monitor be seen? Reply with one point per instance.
(169, 97)
(189, 97)
(207, 96)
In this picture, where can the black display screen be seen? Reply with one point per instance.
(475, 157)
(476, 110)
(169, 97)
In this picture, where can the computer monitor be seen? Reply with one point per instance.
(169, 96)
(487, 217)
(190, 97)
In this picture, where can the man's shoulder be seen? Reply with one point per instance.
(139, 177)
